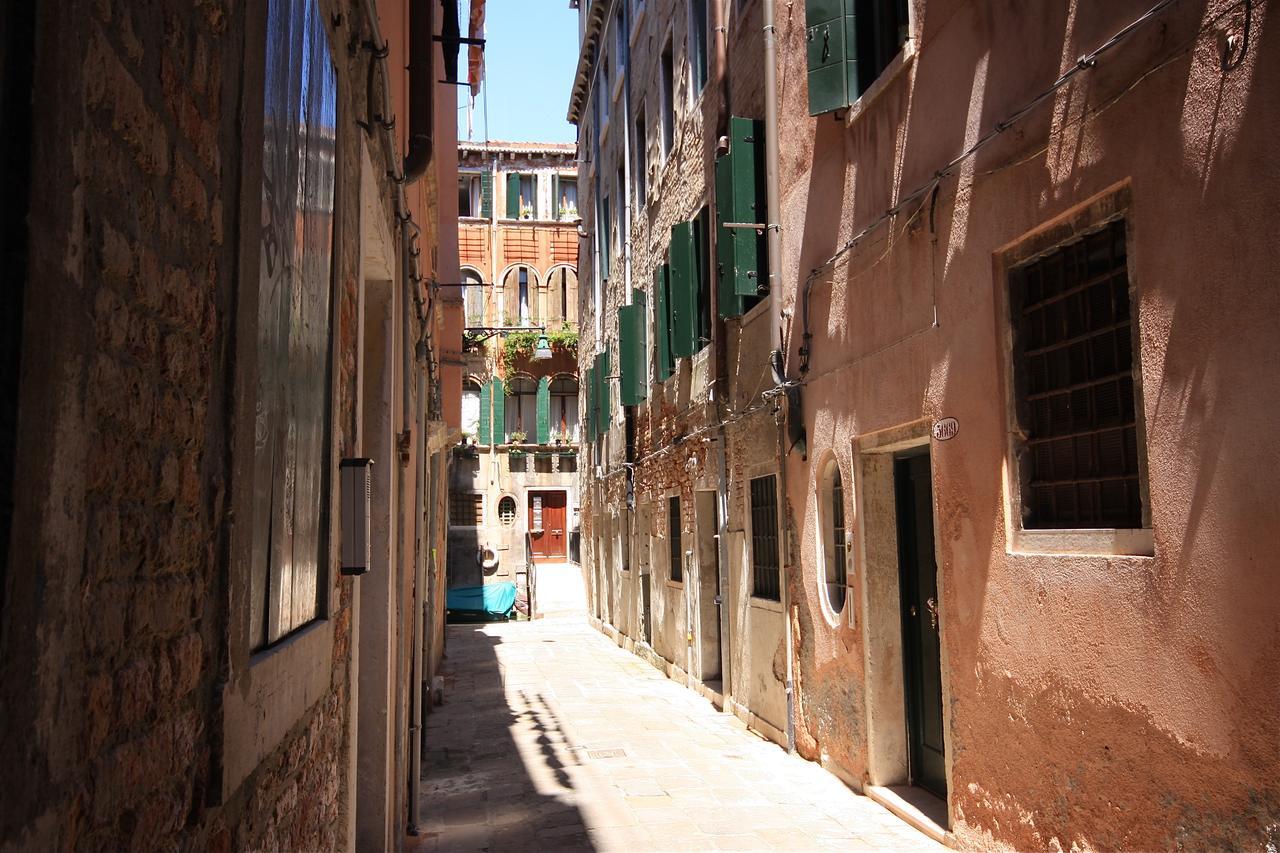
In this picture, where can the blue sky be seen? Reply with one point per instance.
(531, 55)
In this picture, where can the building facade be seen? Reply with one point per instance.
(977, 529)
(219, 243)
(513, 490)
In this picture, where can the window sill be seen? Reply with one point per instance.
(896, 67)
(670, 584)
(617, 85)
(1109, 543)
(765, 604)
(636, 23)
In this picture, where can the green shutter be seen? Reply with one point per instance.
(513, 195)
(832, 43)
(740, 252)
(544, 411)
(702, 279)
(663, 363)
(682, 291)
(602, 381)
(486, 194)
(486, 419)
(555, 196)
(499, 395)
(634, 387)
(587, 402)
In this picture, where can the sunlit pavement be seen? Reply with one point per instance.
(553, 738)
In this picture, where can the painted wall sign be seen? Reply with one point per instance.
(945, 429)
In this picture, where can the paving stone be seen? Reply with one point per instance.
(509, 763)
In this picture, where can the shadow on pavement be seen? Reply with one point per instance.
(495, 771)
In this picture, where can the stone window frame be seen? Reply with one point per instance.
(826, 545)
(1115, 202)
(268, 690)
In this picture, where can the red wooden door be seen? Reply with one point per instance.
(546, 523)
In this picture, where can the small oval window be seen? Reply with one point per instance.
(836, 579)
(507, 511)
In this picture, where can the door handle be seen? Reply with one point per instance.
(933, 613)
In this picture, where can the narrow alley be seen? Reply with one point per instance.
(553, 738)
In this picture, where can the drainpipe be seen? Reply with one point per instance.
(421, 88)
(773, 238)
(418, 690)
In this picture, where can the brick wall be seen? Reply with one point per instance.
(117, 618)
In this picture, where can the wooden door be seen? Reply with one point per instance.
(547, 524)
(922, 660)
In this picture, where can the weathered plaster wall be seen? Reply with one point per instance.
(1109, 702)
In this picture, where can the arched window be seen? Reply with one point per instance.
(562, 296)
(473, 297)
(834, 552)
(520, 296)
(522, 408)
(564, 408)
(470, 407)
(507, 510)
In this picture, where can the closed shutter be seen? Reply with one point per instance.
(544, 411)
(832, 42)
(740, 197)
(555, 196)
(663, 363)
(587, 402)
(631, 318)
(499, 394)
(486, 194)
(486, 418)
(602, 390)
(682, 291)
(513, 195)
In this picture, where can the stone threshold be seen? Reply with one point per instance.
(916, 807)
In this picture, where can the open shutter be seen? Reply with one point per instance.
(486, 417)
(663, 363)
(682, 291)
(486, 194)
(602, 379)
(832, 41)
(513, 195)
(740, 252)
(544, 411)
(555, 196)
(499, 394)
(631, 319)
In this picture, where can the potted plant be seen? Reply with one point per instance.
(517, 437)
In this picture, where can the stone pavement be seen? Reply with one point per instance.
(553, 738)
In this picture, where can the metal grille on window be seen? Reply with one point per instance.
(536, 508)
(465, 509)
(676, 546)
(1073, 362)
(837, 575)
(507, 511)
(764, 539)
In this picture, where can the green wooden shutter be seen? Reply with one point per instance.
(663, 363)
(740, 252)
(634, 387)
(587, 402)
(832, 40)
(602, 381)
(544, 411)
(486, 418)
(499, 394)
(513, 195)
(555, 196)
(486, 194)
(682, 287)
(702, 278)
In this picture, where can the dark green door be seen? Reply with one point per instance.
(922, 662)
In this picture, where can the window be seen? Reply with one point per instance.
(619, 42)
(465, 509)
(471, 408)
(507, 511)
(831, 500)
(697, 47)
(473, 297)
(706, 274)
(675, 546)
(620, 194)
(567, 197)
(564, 409)
(667, 94)
(293, 411)
(560, 307)
(608, 239)
(521, 408)
(852, 57)
(519, 296)
(1080, 460)
(469, 194)
(522, 195)
(524, 295)
(640, 149)
(764, 539)
(603, 94)
(602, 241)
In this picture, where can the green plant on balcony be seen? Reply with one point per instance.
(517, 437)
(520, 345)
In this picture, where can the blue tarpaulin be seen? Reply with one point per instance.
(495, 599)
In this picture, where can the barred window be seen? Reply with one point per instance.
(764, 538)
(676, 547)
(833, 538)
(1074, 384)
(507, 511)
(465, 509)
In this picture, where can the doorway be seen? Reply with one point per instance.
(708, 600)
(921, 658)
(547, 532)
